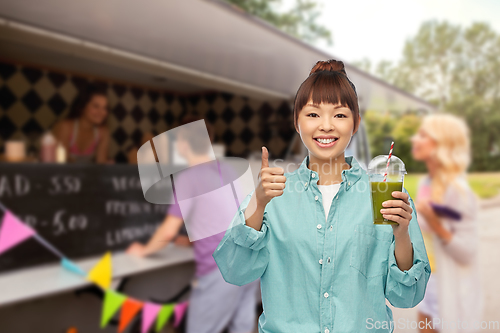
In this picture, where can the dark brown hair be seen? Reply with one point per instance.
(197, 141)
(84, 97)
(327, 83)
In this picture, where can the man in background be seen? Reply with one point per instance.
(214, 304)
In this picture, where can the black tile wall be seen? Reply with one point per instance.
(32, 100)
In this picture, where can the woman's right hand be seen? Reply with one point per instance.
(272, 181)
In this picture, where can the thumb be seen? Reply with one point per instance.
(265, 157)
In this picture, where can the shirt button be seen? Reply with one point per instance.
(316, 198)
(305, 184)
(327, 330)
(328, 259)
(321, 261)
(326, 295)
(313, 175)
(349, 183)
(318, 226)
(331, 227)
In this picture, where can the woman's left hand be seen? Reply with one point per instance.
(398, 211)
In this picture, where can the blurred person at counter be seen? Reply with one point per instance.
(214, 304)
(450, 230)
(84, 133)
(182, 238)
(134, 148)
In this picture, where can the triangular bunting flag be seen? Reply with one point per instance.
(102, 272)
(111, 304)
(129, 310)
(13, 232)
(179, 310)
(149, 313)
(163, 316)
(72, 267)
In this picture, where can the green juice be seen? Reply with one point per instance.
(380, 192)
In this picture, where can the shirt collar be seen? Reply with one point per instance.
(349, 176)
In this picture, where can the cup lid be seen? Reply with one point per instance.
(378, 165)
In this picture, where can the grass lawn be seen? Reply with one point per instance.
(484, 184)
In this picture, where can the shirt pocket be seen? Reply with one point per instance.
(370, 250)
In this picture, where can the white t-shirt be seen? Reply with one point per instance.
(328, 192)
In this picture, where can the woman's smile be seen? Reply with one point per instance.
(326, 142)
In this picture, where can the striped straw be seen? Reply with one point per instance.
(388, 160)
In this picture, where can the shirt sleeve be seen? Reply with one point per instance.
(405, 289)
(175, 209)
(242, 255)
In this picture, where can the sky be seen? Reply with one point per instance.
(378, 29)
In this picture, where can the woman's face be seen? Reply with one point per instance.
(422, 146)
(332, 124)
(96, 109)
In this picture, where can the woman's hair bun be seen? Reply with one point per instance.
(331, 65)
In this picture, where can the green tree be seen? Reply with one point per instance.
(379, 127)
(457, 69)
(299, 21)
(405, 127)
(386, 127)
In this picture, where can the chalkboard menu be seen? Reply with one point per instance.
(82, 210)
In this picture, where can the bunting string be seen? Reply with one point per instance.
(14, 231)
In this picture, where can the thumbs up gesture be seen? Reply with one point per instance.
(272, 181)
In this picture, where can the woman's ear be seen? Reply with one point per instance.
(357, 127)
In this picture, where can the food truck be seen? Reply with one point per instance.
(159, 61)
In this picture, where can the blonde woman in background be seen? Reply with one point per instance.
(454, 292)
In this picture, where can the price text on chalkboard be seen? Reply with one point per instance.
(83, 210)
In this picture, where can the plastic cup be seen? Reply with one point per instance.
(381, 191)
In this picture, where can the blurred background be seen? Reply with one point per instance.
(83, 84)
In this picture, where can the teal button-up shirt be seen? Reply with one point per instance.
(323, 275)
